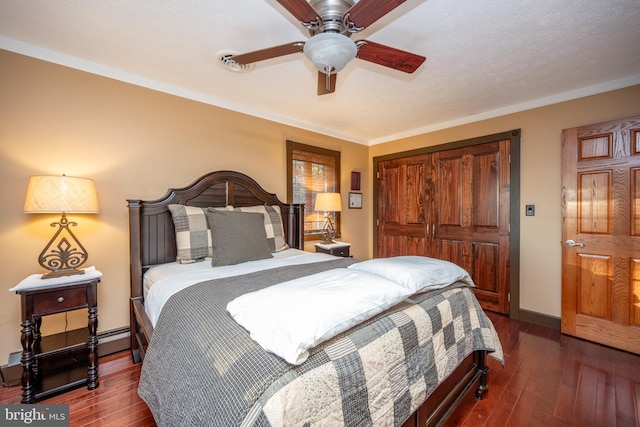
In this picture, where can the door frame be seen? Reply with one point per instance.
(514, 201)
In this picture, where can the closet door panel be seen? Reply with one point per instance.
(403, 218)
(486, 266)
(449, 186)
(415, 196)
(486, 193)
(390, 197)
(451, 250)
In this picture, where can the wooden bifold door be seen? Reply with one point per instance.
(453, 205)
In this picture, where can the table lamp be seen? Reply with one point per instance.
(328, 203)
(64, 253)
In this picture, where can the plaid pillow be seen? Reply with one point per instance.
(193, 236)
(272, 225)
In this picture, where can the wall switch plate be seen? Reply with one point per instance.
(530, 210)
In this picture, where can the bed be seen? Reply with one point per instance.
(201, 367)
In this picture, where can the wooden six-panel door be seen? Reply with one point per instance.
(452, 205)
(601, 233)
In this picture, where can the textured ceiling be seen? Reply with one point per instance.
(484, 57)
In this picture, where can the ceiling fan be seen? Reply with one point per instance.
(331, 24)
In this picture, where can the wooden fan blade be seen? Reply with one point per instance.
(366, 12)
(322, 83)
(301, 10)
(268, 53)
(389, 56)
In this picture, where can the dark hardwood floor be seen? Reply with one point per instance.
(549, 379)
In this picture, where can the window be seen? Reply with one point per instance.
(312, 170)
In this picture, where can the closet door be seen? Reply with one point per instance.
(404, 203)
(471, 199)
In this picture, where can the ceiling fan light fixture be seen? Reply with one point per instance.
(330, 52)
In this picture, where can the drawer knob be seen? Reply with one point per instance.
(60, 299)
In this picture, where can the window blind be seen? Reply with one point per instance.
(313, 172)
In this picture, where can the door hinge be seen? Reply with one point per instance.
(378, 175)
(377, 222)
(509, 297)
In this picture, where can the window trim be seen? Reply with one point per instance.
(291, 146)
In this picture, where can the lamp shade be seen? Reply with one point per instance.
(328, 202)
(330, 52)
(56, 194)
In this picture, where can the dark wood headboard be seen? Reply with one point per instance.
(152, 235)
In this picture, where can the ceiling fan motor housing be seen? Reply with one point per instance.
(331, 12)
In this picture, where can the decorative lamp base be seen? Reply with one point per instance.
(64, 253)
(328, 230)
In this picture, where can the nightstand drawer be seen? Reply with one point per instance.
(341, 251)
(335, 249)
(60, 300)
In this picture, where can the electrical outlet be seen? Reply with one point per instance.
(530, 210)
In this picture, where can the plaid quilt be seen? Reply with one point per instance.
(202, 368)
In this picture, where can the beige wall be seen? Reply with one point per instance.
(540, 235)
(135, 143)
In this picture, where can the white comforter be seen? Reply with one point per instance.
(289, 318)
(162, 281)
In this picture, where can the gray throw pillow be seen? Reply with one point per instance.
(237, 237)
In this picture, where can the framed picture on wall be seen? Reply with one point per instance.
(355, 181)
(355, 200)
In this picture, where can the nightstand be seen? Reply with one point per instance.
(335, 248)
(55, 363)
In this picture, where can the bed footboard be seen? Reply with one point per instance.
(442, 406)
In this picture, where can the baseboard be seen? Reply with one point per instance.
(109, 342)
(12, 371)
(113, 341)
(540, 319)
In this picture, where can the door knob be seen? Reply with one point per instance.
(571, 244)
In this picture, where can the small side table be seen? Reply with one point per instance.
(58, 362)
(335, 248)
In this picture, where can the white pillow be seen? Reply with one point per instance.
(416, 273)
(289, 318)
